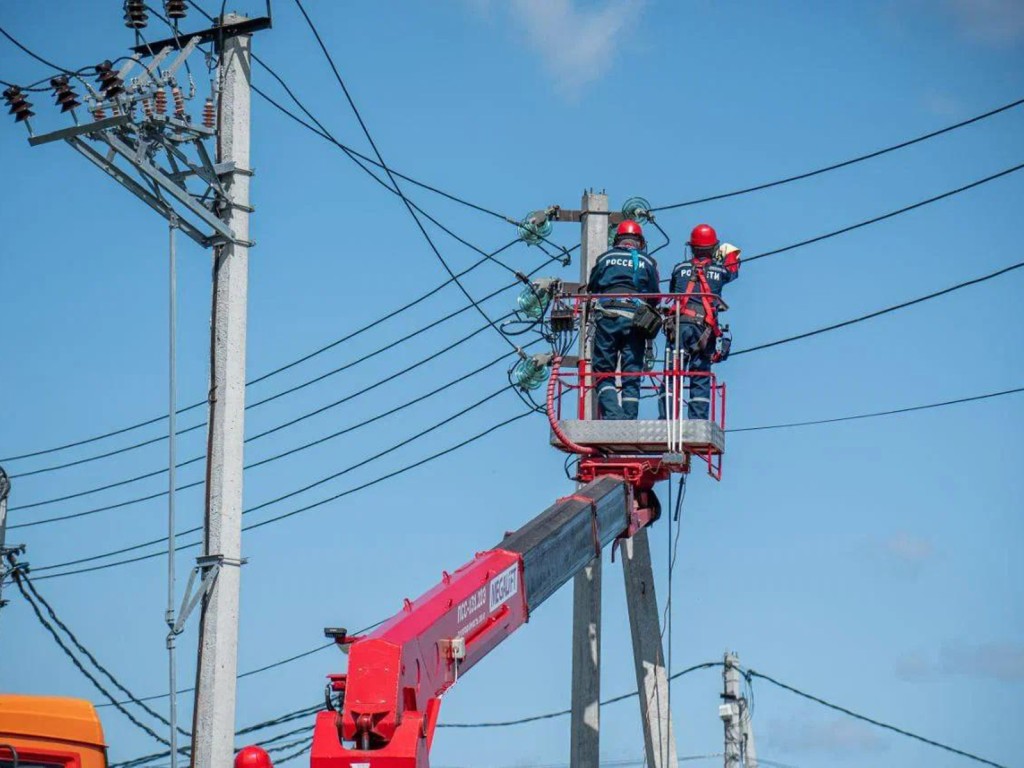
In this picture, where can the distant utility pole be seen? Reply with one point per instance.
(213, 733)
(735, 714)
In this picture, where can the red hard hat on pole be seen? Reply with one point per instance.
(253, 757)
(629, 228)
(703, 236)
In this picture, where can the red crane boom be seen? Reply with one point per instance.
(397, 674)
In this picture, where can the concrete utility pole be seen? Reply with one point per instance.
(648, 655)
(730, 711)
(584, 748)
(213, 731)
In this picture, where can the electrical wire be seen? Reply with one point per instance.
(884, 311)
(19, 579)
(361, 160)
(767, 345)
(845, 163)
(394, 181)
(88, 654)
(365, 158)
(563, 712)
(272, 430)
(290, 390)
(875, 414)
(316, 483)
(265, 667)
(382, 478)
(347, 337)
(872, 721)
(37, 57)
(889, 215)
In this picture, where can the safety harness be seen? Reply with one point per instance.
(710, 316)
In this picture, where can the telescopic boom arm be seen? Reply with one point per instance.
(397, 674)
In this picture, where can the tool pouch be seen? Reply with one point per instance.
(646, 321)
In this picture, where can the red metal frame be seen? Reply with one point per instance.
(582, 382)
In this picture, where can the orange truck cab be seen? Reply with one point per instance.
(50, 732)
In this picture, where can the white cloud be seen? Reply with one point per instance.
(998, 22)
(901, 554)
(993, 661)
(840, 736)
(908, 548)
(576, 41)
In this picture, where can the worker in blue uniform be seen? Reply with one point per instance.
(699, 280)
(618, 343)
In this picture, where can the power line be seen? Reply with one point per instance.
(326, 134)
(767, 427)
(885, 311)
(321, 481)
(36, 56)
(864, 718)
(889, 215)
(845, 163)
(251, 438)
(394, 181)
(266, 667)
(305, 383)
(347, 337)
(875, 414)
(563, 712)
(347, 492)
(95, 662)
(19, 578)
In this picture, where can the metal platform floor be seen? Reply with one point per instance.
(644, 436)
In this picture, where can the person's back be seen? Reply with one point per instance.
(625, 269)
(698, 282)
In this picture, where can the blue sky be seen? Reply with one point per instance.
(872, 563)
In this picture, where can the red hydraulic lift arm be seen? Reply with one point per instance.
(398, 673)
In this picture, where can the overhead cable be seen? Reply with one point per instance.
(885, 311)
(405, 441)
(875, 414)
(845, 163)
(889, 215)
(563, 712)
(185, 409)
(266, 667)
(872, 721)
(349, 491)
(19, 579)
(365, 158)
(394, 181)
(291, 422)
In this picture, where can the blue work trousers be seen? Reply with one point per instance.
(699, 400)
(617, 346)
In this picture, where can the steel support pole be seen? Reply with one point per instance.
(729, 711)
(584, 748)
(214, 715)
(172, 479)
(648, 656)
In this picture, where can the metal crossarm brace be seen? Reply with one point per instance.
(139, 143)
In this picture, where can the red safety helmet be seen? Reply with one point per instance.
(253, 757)
(703, 236)
(630, 228)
